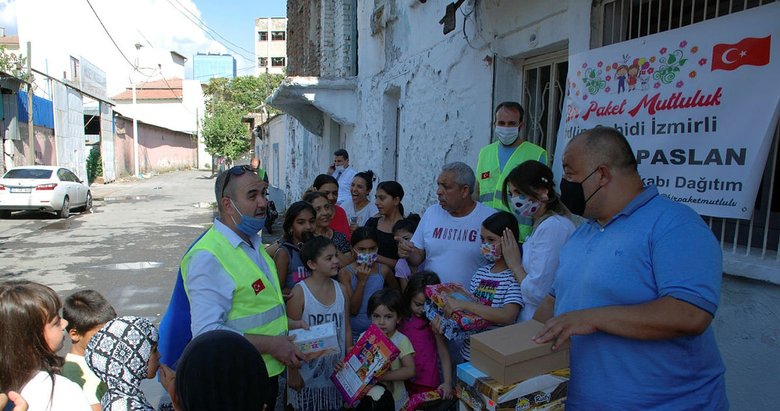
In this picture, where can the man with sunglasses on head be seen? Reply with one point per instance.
(231, 282)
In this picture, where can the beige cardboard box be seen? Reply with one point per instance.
(508, 354)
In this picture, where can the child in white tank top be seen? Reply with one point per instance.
(318, 300)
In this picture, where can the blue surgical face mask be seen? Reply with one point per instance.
(247, 224)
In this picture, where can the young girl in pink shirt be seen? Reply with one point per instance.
(428, 346)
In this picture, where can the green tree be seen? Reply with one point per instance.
(227, 101)
(13, 64)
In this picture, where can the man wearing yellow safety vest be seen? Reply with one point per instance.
(497, 159)
(230, 280)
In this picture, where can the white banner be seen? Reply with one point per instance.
(697, 104)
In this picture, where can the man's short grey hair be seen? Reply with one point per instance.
(464, 175)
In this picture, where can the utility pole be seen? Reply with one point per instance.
(30, 126)
(136, 170)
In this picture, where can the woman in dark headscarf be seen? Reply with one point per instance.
(122, 354)
(220, 370)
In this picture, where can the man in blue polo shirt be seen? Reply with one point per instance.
(636, 290)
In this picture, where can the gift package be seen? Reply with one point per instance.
(368, 359)
(478, 391)
(317, 340)
(461, 324)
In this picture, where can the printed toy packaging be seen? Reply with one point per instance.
(461, 324)
(368, 359)
(318, 340)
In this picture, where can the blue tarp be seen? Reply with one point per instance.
(43, 110)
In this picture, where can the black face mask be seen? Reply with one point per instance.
(573, 196)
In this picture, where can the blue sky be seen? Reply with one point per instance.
(235, 20)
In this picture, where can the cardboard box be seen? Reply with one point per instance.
(317, 340)
(478, 391)
(508, 354)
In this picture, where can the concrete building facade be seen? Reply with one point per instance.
(159, 148)
(405, 94)
(270, 45)
(171, 103)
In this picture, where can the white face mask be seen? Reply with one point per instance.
(506, 135)
(339, 169)
(524, 206)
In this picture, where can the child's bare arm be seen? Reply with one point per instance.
(390, 280)
(294, 379)
(446, 365)
(500, 315)
(295, 303)
(402, 374)
(347, 326)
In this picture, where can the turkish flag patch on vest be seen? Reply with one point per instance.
(258, 286)
(486, 175)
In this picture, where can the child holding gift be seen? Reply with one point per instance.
(316, 300)
(428, 346)
(494, 284)
(386, 307)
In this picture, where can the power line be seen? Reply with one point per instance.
(207, 30)
(215, 32)
(110, 37)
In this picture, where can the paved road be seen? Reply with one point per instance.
(128, 248)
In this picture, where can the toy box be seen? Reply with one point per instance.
(368, 359)
(460, 324)
(317, 340)
(478, 391)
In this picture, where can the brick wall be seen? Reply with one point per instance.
(303, 37)
(338, 22)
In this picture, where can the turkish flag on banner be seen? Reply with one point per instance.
(750, 50)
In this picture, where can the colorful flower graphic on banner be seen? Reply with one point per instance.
(593, 81)
(670, 66)
(636, 73)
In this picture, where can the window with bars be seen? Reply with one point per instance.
(262, 36)
(614, 21)
(543, 98)
(277, 61)
(278, 35)
(262, 62)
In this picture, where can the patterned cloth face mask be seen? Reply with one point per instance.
(490, 252)
(524, 206)
(367, 258)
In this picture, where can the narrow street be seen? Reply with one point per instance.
(127, 248)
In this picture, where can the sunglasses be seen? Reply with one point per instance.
(235, 171)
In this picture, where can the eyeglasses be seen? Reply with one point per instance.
(235, 171)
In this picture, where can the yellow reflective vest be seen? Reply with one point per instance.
(491, 177)
(258, 306)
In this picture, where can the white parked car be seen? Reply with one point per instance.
(45, 188)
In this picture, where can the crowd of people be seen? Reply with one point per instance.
(629, 278)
